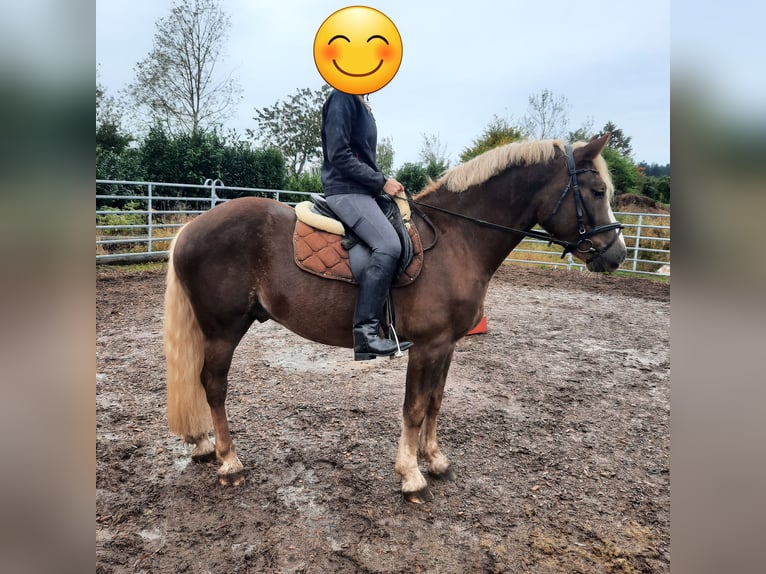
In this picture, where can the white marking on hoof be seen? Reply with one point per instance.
(203, 448)
(231, 473)
(415, 482)
(439, 464)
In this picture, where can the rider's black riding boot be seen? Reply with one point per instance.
(373, 287)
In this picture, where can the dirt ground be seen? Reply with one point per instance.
(556, 421)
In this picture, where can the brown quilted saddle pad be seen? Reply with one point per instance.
(321, 253)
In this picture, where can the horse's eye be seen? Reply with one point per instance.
(598, 193)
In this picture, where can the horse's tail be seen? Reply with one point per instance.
(188, 410)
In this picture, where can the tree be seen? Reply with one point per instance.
(498, 132)
(547, 116)
(177, 82)
(109, 137)
(294, 128)
(625, 176)
(583, 133)
(654, 169)
(385, 155)
(618, 141)
(109, 133)
(580, 134)
(433, 155)
(412, 176)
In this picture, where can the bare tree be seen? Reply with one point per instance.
(177, 82)
(433, 155)
(385, 155)
(547, 116)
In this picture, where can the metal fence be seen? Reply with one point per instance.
(647, 236)
(136, 220)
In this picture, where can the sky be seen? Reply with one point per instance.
(463, 63)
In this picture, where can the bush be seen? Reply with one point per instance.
(126, 165)
(306, 182)
(658, 188)
(118, 218)
(413, 177)
(196, 157)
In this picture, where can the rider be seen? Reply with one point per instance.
(352, 181)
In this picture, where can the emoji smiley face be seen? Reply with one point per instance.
(357, 50)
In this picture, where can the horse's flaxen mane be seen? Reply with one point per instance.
(603, 170)
(492, 162)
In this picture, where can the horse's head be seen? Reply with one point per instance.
(575, 207)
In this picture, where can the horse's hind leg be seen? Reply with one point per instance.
(215, 371)
(204, 449)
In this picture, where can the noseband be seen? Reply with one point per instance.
(582, 245)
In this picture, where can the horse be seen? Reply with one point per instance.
(234, 265)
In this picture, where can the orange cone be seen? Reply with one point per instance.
(480, 328)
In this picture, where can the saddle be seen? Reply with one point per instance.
(323, 246)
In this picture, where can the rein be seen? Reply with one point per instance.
(568, 246)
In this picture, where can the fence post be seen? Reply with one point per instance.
(212, 183)
(638, 239)
(149, 217)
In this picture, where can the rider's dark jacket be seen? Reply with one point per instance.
(349, 140)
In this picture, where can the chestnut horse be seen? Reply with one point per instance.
(234, 265)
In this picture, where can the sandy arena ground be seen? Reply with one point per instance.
(556, 421)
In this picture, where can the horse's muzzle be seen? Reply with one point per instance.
(609, 259)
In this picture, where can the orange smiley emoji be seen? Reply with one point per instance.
(357, 50)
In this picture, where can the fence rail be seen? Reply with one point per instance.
(136, 220)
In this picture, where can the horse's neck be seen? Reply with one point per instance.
(488, 247)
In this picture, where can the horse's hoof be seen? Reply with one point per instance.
(448, 474)
(233, 479)
(418, 497)
(204, 457)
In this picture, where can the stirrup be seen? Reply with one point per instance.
(396, 340)
(392, 330)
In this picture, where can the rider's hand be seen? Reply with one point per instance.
(393, 187)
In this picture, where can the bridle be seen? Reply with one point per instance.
(583, 244)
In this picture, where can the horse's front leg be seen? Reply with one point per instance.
(426, 372)
(215, 372)
(438, 465)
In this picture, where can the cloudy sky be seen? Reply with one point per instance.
(463, 63)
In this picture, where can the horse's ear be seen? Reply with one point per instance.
(595, 146)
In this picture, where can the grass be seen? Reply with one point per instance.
(147, 267)
(141, 232)
(657, 278)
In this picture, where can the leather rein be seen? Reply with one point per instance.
(582, 245)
